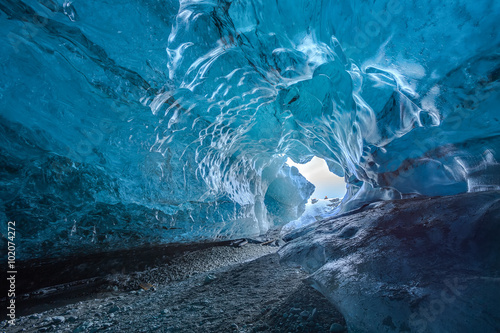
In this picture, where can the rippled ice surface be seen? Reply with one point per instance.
(131, 122)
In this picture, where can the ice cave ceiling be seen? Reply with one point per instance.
(143, 121)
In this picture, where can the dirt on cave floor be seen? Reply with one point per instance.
(220, 289)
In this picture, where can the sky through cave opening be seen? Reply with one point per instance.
(326, 183)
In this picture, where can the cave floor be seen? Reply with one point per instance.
(220, 289)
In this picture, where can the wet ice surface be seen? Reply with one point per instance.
(415, 265)
(208, 290)
(165, 121)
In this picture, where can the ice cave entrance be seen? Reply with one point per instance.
(330, 189)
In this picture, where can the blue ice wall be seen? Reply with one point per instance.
(131, 122)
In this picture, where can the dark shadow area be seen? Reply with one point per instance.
(52, 282)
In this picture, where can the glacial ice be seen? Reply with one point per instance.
(316, 210)
(132, 122)
(412, 265)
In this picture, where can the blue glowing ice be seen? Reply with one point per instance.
(133, 122)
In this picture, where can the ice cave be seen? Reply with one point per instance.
(151, 154)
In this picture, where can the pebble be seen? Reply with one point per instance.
(82, 327)
(336, 328)
(113, 309)
(209, 278)
(312, 316)
(299, 316)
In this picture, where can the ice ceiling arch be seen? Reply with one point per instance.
(131, 122)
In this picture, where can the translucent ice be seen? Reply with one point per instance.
(315, 211)
(131, 122)
(414, 265)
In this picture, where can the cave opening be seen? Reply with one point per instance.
(327, 184)
(326, 198)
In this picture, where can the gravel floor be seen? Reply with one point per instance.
(221, 289)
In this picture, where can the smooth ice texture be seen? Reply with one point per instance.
(413, 265)
(143, 121)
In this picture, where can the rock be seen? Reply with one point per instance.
(260, 328)
(72, 319)
(294, 310)
(147, 286)
(304, 314)
(245, 242)
(239, 243)
(209, 278)
(336, 328)
(312, 316)
(113, 309)
(58, 319)
(83, 327)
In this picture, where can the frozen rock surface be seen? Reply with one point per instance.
(146, 121)
(414, 265)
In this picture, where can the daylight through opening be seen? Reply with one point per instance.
(329, 191)
(327, 183)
